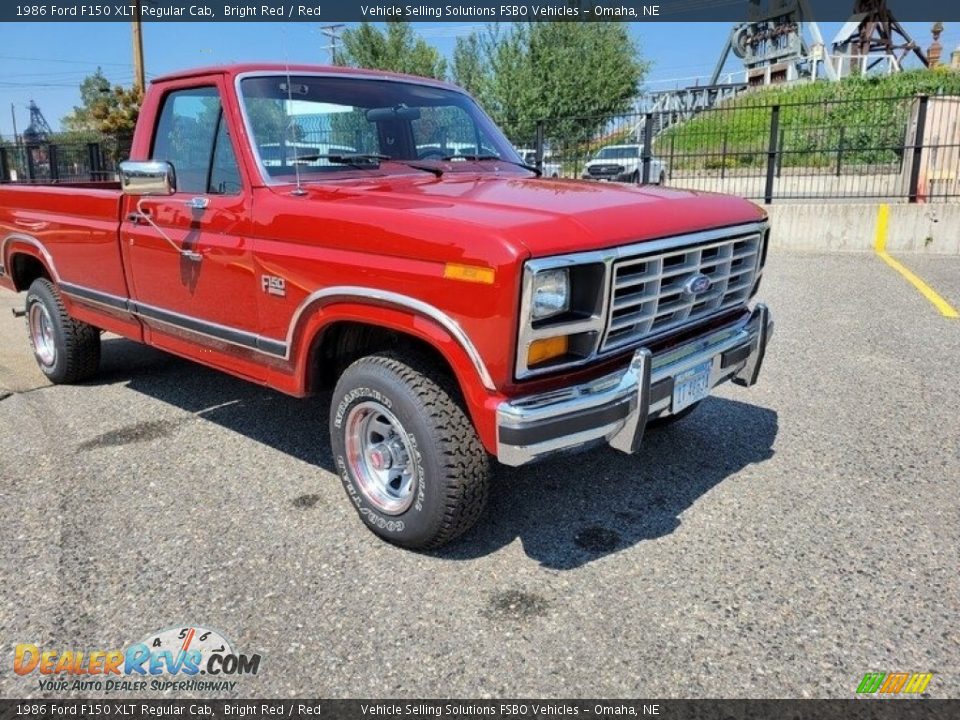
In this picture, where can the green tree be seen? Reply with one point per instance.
(469, 68)
(104, 108)
(397, 48)
(574, 72)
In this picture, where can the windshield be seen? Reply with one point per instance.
(618, 153)
(296, 121)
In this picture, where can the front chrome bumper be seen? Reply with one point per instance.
(615, 408)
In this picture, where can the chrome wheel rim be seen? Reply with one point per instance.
(41, 334)
(380, 459)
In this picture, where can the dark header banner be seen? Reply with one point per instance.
(458, 10)
(112, 708)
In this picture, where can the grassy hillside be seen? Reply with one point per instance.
(863, 120)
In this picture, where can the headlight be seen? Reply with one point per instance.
(551, 293)
(561, 312)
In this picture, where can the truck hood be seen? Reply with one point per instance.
(550, 217)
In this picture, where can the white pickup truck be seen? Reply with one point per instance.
(623, 163)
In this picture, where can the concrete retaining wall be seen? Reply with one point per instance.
(930, 229)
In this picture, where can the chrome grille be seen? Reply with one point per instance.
(648, 295)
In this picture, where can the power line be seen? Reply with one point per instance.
(457, 31)
(68, 62)
(7, 84)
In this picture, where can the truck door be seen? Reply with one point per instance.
(189, 255)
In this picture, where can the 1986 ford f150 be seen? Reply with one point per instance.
(309, 228)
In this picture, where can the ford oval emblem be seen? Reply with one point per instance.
(696, 285)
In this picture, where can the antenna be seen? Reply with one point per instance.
(296, 158)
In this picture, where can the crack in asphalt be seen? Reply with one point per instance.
(5, 394)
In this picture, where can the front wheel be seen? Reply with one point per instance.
(406, 452)
(67, 350)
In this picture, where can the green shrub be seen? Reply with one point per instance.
(864, 119)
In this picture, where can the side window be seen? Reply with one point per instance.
(224, 175)
(192, 134)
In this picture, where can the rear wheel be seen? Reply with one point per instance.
(406, 452)
(67, 350)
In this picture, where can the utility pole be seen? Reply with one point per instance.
(332, 32)
(13, 114)
(139, 75)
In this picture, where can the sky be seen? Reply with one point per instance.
(46, 62)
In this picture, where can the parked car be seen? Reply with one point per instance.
(623, 163)
(549, 168)
(455, 310)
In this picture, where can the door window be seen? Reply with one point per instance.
(192, 135)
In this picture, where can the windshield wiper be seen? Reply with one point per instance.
(363, 160)
(476, 158)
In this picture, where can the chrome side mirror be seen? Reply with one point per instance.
(147, 177)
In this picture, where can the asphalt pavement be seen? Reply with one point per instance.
(780, 542)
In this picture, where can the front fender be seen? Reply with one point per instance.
(408, 317)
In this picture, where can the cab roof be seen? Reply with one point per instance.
(253, 68)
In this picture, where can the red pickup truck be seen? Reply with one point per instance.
(309, 227)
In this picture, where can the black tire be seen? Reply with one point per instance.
(76, 344)
(449, 468)
(675, 418)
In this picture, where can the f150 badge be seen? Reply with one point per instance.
(273, 285)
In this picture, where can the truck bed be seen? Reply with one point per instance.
(85, 185)
(75, 225)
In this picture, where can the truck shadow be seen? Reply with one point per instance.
(570, 511)
(566, 512)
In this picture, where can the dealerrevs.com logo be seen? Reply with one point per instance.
(189, 658)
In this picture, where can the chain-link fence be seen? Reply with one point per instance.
(893, 148)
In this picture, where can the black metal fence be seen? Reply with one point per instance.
(891, 148)
(904, 148)
(93, 159)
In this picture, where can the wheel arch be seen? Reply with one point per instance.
(342, 328)
(25, 259)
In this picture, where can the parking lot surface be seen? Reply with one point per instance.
(780, 542)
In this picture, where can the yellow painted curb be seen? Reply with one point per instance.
(880, 246)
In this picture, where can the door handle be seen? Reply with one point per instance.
(29, 225)
(197, 203)
(142, 215)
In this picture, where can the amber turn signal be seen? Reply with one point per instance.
(469, 273)
(547, 349)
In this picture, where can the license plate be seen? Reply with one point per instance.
(691, 386)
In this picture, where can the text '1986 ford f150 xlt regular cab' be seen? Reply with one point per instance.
(309, 228)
